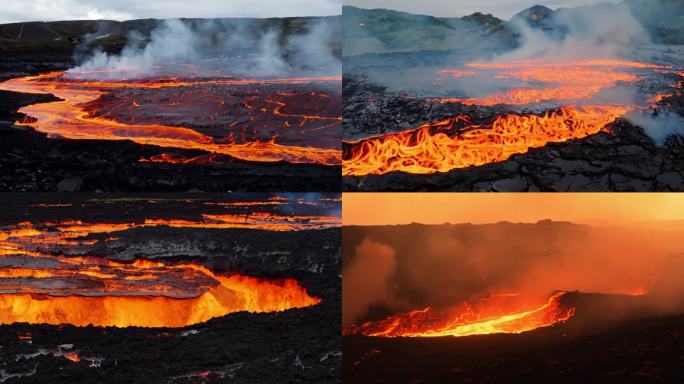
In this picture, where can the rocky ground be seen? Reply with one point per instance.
(624, 160)
(591, 349)
(300, 345)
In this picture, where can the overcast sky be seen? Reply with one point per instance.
(455, 8)
(12, 11)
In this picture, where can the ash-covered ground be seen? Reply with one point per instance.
(297, 345)
(30, 162)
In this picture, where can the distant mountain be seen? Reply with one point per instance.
(385, 31)
(112, 36)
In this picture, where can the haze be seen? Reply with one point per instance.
(439, 208)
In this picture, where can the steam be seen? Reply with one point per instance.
(232, 47)
(600, 31)
(658, 127)
(441, 266)
(367, 280)
(172, 41)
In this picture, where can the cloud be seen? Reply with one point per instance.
(51, 10)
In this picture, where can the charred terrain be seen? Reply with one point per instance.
(72, 120)
(541, 102)
(494, 322)
(179, 289)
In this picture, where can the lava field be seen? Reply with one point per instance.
(512, 105)
(170, 288)
(186, 127)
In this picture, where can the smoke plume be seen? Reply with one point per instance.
(441, 266)
(224, 46)
(366, 280)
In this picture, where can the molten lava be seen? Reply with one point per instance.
(83, 291)
(38, 287)
(89, 112)
(496, 314)
(457, 143)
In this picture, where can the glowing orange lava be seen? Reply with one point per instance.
(455, 73)
(457, 143)
(25, 238)
(496, 314)
(144, 293)
(38, 287)
(69, 119)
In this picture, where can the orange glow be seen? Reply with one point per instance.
(496, 314)
(39, 287)
(70, 119)
(153, 304)
(73, 356)
(574, 81)
(176, 159)
(23, 238)
(456, 143)
(455, 73)
(615, 209)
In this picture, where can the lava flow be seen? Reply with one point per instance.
(38, 287)
(459, 143)
(83, 291)
(495, 314)
(104, 110)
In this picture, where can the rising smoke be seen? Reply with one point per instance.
(230, 47)
(659, 127)
(366, 280)
(412, 267)
(600, 31)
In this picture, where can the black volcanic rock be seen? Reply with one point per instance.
(537, 15)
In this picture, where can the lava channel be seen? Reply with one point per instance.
(458, 143)
(82, 114)
(504, 313)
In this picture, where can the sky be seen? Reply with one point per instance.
(479, 208)
(12, 11)
(456, 8)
